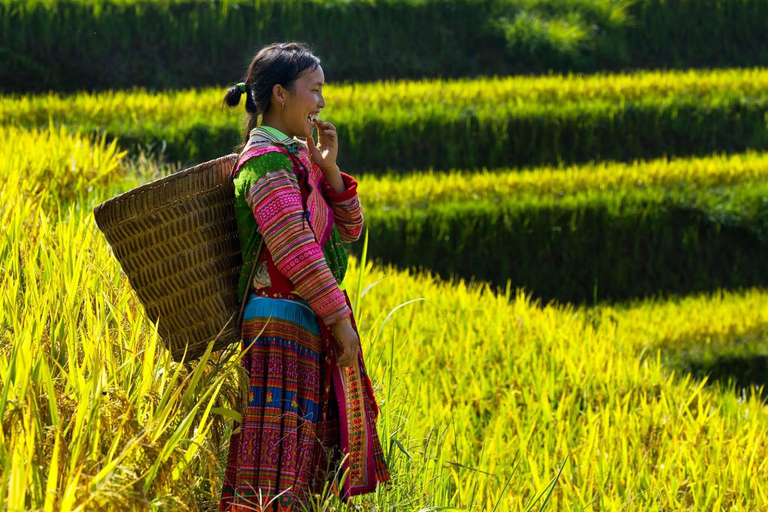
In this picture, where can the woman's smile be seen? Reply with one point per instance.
(311, 118)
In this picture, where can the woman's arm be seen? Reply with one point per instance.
(277, 207)
(339, 189)
(346, 208)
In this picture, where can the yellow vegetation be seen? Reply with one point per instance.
(472, 382)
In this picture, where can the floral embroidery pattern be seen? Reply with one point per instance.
(261, 277)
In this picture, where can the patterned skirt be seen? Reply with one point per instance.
(294, 428)
(280, 450)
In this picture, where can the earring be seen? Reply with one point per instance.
(282, 106)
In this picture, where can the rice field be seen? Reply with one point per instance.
(553, 183)
(490, 401)
(380, 98)
(445, 124)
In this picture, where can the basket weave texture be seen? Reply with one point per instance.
(176, 239)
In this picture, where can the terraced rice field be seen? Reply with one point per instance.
(490, 399)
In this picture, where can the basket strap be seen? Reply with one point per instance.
(250, 279)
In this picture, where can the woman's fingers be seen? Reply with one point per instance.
(341, 353)
(324, 124)
(347, 343)
(313, 151)
(348, 355)
(330, 134)
(325, 129)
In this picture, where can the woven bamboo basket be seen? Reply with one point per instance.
(176, 239)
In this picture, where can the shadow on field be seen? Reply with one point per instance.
(742, 362)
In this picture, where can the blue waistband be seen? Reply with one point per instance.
(298, 311)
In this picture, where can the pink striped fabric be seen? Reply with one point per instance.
(346, 209)
(276, 202)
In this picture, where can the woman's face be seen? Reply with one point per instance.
(303, 104)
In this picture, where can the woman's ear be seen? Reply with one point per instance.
(278, 93)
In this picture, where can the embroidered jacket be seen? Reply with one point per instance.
(282, 195)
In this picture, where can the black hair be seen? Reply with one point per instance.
(277, 63)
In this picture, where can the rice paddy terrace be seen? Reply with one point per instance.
(557, 312)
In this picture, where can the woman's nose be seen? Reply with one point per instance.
(321, 103)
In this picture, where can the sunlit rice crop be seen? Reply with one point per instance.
(490, 122)
(504, 381)
(484, 394)
(348, 101)
(55, 166)
(94, 413)
(422, 188)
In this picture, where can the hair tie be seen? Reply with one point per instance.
(241, 86)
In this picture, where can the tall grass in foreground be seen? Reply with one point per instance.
(95, 415)
(485, 396)
(502, 380)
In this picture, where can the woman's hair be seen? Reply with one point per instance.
(277, 63)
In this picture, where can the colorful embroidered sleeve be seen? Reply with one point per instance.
(277, 207)
(346, 208)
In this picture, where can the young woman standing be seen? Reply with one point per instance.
(310, 408)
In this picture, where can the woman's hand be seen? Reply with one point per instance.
(347, 342)
(324, 153)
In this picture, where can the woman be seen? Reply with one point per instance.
(310, 409)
